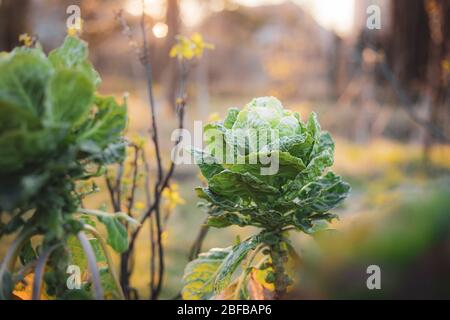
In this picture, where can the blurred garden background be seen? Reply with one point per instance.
(382, 93)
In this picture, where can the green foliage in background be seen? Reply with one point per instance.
(55, 130)
(299, 196)
(409, 243)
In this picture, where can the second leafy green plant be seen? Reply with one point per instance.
(298, 196)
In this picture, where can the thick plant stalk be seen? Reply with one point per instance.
(39, 272)
(98, 291)
(279, 272)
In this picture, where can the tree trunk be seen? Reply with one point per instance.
(13, 22)
(439, 24)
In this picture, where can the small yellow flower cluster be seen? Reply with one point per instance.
(139, 205)
(172, 197)
(189, 48)
(214, 117)
(76, 30)
(138, 140)
(26, 40)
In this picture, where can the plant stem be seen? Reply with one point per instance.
(9, 261)
(108, 257)
(92, 264)
(277, 257)
(39, 272)
(197, 245)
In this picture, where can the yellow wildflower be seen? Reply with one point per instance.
(139, 205)
(76, 29)
(199, 45)
(172, 197)
(138, 141)
(214, 117)
(189, 48)
(26, 39)
(164, 237)
(182, 49)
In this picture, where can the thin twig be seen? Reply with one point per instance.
(161, 266)
(145, 59)
(118, 186)
(152, 257)
(196, 247)
(111, 193)
(162, 181)
(134, 181)
(147, 178)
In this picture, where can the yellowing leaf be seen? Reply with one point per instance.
(24, 289)
(228, 293)
(258, 289)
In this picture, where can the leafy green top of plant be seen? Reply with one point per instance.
(299, 196)
(55, 130)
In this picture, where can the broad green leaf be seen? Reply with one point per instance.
(313, 126)
(207, 163)
(232, 262)
(288, 167)
(117, 233)
(199, 274)
(107, 124)
(231, 184)
(219, 222)
(225, 203)
(320, 195)
(21, 147)
(73, 54)
(227, 219)
(212, 271)
(69, 97)
(13, 117)
(23, 79)
(231, 118)
(322, 157)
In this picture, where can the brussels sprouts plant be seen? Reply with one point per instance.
(264, 168)
(55, 132)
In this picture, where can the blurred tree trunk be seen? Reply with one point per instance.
(438, 75)
(13, 22)
(418, 48)
(408, 43)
